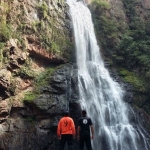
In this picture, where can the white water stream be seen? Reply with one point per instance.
(99, 94)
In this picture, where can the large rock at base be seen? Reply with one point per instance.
(34, 124)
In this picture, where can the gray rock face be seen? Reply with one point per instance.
(34, 125)
(53, 98)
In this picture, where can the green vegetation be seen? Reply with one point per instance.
(108, 31)
(108, 28)
(101, 4)
(43, 78)
(25, 72)
(43, 10)
(30, 96)
(127, 45)
(130, 6)
(47, 29)
(5, 30)
(135, 47)
(133, 79)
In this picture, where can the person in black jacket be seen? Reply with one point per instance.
(84, 127)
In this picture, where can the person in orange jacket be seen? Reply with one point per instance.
(66, 131)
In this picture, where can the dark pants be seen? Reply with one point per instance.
(85, 137)
(66, 138)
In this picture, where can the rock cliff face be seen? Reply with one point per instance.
(33, 125)
(34, 36)
(37, 78)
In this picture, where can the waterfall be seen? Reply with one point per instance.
(99, 94)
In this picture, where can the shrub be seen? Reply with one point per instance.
(30, 96)
(43, 10)
(25, 72)
(43, 78)
(133, 79)
(5, 32)
(102, 4)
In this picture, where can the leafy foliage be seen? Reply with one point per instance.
(43, 10)
(135, 45)
(133, 79)
(102, 4)
(30, 96)
(5, 32)
(43, 78)
(25, 72)
(128, 45)
(108, 29)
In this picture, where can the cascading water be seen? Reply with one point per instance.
(99, 94)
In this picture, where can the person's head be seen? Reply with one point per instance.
(66, 113)
(83, 112)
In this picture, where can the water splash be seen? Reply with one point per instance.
(99, 94)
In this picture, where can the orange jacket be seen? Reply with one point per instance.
(66, 126)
